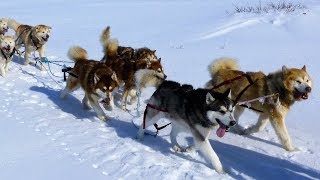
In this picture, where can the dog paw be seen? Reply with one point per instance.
(292, 149)
(220, 170)
(103, 118)
(26, 63)
(177, 149)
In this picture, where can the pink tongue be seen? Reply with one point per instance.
(221, 131)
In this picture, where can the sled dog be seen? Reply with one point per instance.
(33, 38)
(288, 85)
(96, 79)
(193, 111)
(126, 61)
(7, 50)
(3, 26)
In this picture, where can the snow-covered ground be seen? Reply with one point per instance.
(43, 137)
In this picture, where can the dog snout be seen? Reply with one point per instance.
(308, 89)
(165, 77)
(232, 123)
(47, 36)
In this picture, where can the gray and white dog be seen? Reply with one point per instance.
(193, 111)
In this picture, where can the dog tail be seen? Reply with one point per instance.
(110, 46)
(77, 53)
(13, 24)
(223, 63)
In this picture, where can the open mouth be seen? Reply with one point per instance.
(45, 38)
(300, 95)
(4, 30)
(7, 49)
(222, 128)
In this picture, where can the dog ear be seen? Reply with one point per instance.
(49, 27)
(148, 64)
(96, 79)
(154, 51)
(304, 68)
(228, 93)
(114, 77)
(209, 98)
(284, 69)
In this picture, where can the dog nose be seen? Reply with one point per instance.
(308, 89)
(232, 123)
(47, 36)
(165, 76)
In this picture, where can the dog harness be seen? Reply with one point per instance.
(155, 124)
(11, 54)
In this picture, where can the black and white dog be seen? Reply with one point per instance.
(193, 111)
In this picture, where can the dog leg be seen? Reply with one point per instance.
(2, 70)
(26, 57)
(85, 102)
(96, 107)
(259, 126)
(282, 133)
(7, 66)
(72, 85)
(41, 54)
(210, 155)
(173, 137)
(237, 113)
(124, 98)
(152, 117)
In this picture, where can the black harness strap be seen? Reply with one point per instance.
(35, 42)
(11, 54)
(67, 70)
(155, 124)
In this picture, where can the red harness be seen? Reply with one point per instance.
(155, 124)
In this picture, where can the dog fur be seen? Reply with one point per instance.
(126, 61)
(290, 85)
(192, 111)
(33, 38)
(3, 26)
(7, 50)
(96, 79)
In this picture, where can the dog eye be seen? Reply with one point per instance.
(222, 112)
(307, 80)
(299, 82)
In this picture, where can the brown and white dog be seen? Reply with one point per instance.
(33, 38)
(96, 79)
(126, 61)
(290, 85)
(7, 50)
(3, 26)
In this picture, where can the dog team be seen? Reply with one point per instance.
(195, 111)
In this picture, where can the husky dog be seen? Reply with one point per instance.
(3, 26)
(7, 45)
(33, 38)
(194, 111)
(96, 79)
(290, 85)
(126, 61)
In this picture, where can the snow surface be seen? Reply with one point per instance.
(43, 137)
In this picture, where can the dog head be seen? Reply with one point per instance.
(146, 54)
(297, 82)
(7, 44)
(105, 81)
(219, 109)
(42, 32)
(3, 26)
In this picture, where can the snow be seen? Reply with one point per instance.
(44, 137)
